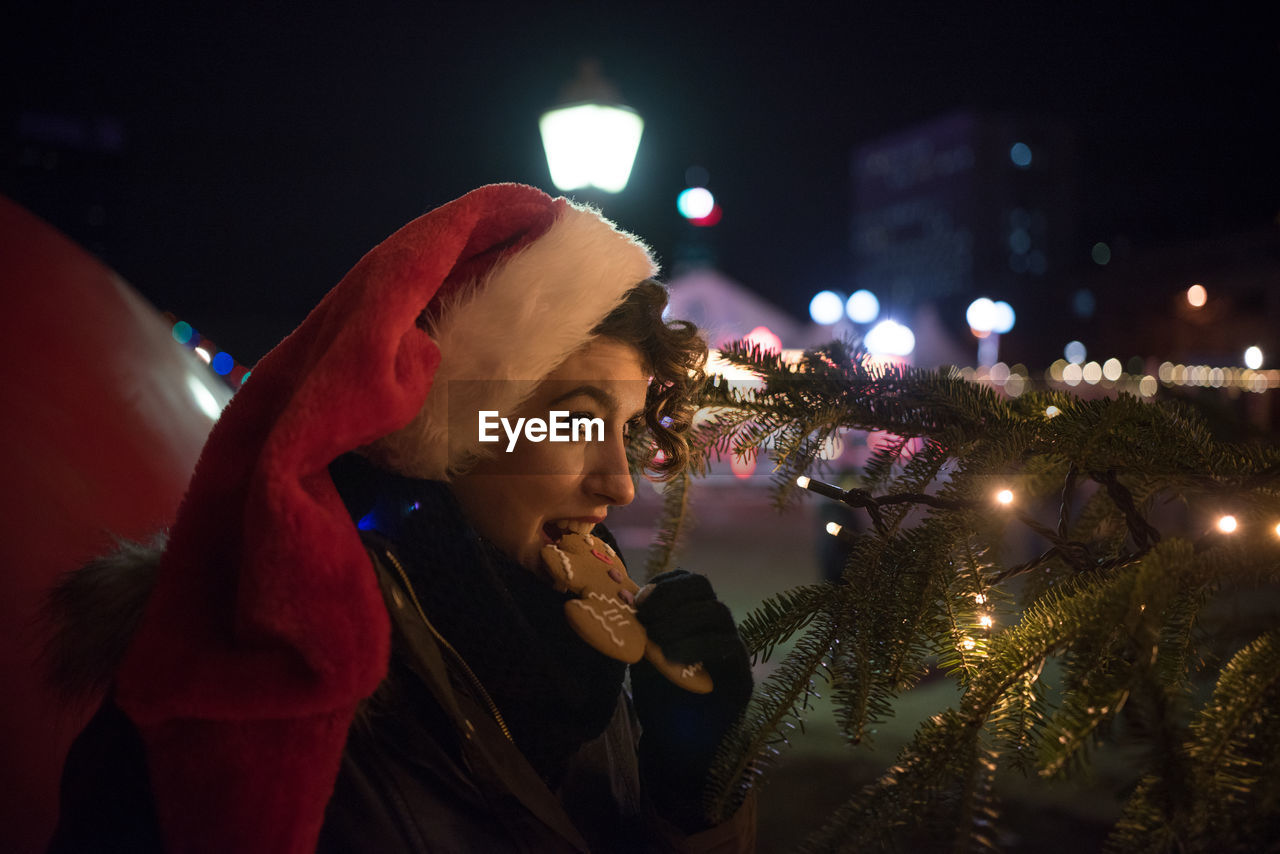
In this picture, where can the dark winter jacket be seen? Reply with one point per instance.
(444, 777)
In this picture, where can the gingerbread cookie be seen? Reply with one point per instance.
(604, 614)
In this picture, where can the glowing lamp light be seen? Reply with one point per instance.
(1253, 358)
(695, 203)
(764, 338)
(981, 315)
(1003, 317)
(1005, 497)
(591, 140)
(826, 307)
(890, 338)
(1197, 296)
(1075, 352)
(1228, 524)
(742, 466)
(862, 307)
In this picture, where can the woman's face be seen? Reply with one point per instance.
(520, 498)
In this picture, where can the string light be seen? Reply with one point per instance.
(1227, 524)
(1052, 412)
(1278, 529)
(834, 528)
(1005, 497)
(980, 598)
(985, 621)
(968, 643)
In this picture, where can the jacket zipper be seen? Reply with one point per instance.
(457, 656)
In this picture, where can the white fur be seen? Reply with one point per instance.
(499, 339)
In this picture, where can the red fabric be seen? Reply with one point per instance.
(266, 626)
(99, 434)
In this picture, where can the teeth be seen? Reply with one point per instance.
(574, 526)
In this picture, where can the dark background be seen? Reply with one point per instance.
(232, 161)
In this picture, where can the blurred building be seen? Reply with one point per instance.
(962, 206)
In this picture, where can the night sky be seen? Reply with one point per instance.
(245, 156)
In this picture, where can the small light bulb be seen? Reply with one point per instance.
(1005, 496)
(803, 481)
(1228, 524)
(834, 528)
(1052, 412)
(980, 599)
(1278, 529)
(968, 643)
(985, 621)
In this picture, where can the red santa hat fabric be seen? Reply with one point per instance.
(266, 627)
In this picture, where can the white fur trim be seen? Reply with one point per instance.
(500, 338)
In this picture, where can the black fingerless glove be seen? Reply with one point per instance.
(681, 731)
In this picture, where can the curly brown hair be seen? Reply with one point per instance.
(675, 353)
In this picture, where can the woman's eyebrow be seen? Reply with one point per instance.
(602, 397)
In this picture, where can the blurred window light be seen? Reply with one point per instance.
(862, 307)
(1020, 154)
(1197, 296)
(1083, 303)
(1020, 241)
(826, 307)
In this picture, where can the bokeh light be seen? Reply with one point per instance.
(1020, 154)
(1197, 296)
(1228, 524)
(862, 307)
(890, 338)
(1075, 352)
(826, 307)
(1253, 358)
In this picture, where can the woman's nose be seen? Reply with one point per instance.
(610, 477)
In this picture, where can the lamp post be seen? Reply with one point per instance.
(591, 138)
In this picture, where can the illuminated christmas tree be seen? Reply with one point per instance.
(1102, 636)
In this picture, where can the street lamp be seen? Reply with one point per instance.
(591, 138)
(988, 321)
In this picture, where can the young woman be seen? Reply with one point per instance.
(294, 684)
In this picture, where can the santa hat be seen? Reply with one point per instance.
(266, 626)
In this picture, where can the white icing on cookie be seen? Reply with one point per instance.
(605, 618)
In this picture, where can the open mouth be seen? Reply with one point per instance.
(553, 531)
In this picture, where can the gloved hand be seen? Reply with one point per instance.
(682, 730)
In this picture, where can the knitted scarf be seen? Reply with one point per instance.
(554, 691)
